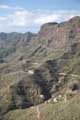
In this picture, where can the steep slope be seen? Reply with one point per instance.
(56, 37)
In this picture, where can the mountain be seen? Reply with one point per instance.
(51, 37)
(41, 70)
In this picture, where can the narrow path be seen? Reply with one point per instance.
(73, 75)
(38, 112)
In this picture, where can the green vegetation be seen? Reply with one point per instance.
(69, 110)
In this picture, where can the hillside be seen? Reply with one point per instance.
(42, 70)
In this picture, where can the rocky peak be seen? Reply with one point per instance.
(45, 28)
(75, 19)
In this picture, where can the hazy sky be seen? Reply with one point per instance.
(29, 15)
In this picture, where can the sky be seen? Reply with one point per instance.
(29, 15)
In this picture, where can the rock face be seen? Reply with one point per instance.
(61, 35)
(55, 37)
